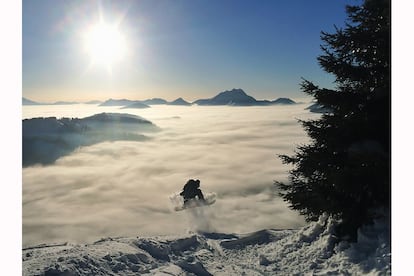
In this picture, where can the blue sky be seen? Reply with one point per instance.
(183, 48)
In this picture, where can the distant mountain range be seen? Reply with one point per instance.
(143, 104)
(29, 102)
(283, 101)
(179, 101)
(112, 102)
(26, 101)
(237, 97)
(136, 105)
(234, 97)
(154, 101)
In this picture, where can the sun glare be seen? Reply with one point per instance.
(105, 44)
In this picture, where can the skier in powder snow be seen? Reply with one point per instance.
(192, 190)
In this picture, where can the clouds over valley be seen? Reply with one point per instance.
(122, 188)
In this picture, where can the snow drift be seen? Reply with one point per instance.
(312, 249)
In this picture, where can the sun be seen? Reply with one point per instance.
(105, 44)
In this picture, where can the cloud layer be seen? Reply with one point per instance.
(122, 188)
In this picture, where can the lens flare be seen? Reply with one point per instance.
(105, 44)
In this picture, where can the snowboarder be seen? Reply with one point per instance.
(192, 190)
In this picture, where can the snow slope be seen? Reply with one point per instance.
(307, 251)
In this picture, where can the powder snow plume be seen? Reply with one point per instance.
(199, 219)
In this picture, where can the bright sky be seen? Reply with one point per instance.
(95, 50)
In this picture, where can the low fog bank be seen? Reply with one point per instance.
(122, 188)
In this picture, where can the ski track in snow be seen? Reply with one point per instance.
(308, 251)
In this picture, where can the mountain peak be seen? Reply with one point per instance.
(283, 101)
(26, 101)
(229, 97)
(235, 91)
(179, 101)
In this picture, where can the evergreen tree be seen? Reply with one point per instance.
(345, 169)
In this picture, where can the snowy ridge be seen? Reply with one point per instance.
(310, 250)
(47, 139)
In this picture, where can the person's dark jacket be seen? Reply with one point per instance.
(191, 190)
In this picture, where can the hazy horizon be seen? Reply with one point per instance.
(122, 188)
(299, 98)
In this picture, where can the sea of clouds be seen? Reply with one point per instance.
(122, 188)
